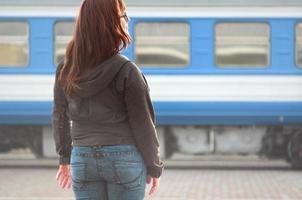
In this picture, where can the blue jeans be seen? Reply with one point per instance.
(113, 172)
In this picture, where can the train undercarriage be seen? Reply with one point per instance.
(274, 142)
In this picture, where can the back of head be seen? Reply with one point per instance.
(99, 34)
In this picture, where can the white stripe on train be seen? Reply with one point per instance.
(173, 88)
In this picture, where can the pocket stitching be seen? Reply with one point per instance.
(124, 184)
(128, 162)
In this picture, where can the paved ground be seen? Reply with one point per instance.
(185, 178)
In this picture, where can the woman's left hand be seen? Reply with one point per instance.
(63, 176)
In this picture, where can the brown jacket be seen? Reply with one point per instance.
(112, 106)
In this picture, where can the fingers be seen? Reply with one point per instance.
(155, 184)
(61, 181)
(64, 182)
(58, 174)
(68, 185)
(63, 177)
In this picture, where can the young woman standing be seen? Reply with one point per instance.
(103, 118)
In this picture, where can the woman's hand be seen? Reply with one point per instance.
(155, 184)
(63, 176)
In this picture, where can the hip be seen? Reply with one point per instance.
(120, 164)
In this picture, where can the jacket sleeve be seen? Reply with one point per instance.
(61, 123)
(142, 120)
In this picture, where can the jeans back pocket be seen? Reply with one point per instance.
(129, 173)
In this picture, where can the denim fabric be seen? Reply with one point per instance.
(113, 172)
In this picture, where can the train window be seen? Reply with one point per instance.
(299, 45)
(162, 44)
(63, 34)
(242, 45)
(14, 44)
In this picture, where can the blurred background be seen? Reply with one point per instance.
(226, 84)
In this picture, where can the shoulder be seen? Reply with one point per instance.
(134, 71)
(59, 67)
(136, 76)
(131, 75)
(133, 68)
(129, 68)
(58, 71)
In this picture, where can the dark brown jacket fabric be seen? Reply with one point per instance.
(112, 106)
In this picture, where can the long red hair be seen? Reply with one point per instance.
(99, 35)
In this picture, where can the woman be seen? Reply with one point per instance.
(103, 118)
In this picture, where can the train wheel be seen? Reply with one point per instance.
(295, 151)
(170, 143)
(34, 142)
(166, 142)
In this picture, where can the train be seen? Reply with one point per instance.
(225, 76)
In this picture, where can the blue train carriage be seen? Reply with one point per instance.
(225, 78)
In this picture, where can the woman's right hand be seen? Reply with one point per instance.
(155, 184)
